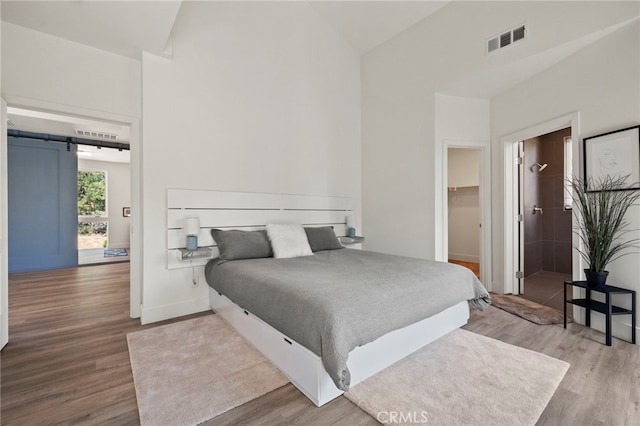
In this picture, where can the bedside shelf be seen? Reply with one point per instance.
(199, 253)
(351, 240)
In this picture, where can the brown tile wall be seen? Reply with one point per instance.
(547, 237)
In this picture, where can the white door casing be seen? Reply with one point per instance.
(4, 255)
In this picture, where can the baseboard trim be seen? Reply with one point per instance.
(165, 312)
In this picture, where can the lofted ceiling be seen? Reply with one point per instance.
(130, 27)
(491, 79)
(367, 24)
(123, 27)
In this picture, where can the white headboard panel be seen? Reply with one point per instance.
(244, 210)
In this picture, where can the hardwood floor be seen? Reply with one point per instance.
(475, 267)
(67, 361)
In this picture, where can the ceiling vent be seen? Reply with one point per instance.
(505, 39)
(95, 134)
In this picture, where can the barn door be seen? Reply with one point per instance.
(43, 217)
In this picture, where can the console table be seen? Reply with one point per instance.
(607, 308)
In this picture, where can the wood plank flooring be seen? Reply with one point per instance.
(67, 361)
(475, 267)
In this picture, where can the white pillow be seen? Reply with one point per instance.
(288, 241)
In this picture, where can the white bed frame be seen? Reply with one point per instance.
(304, 368)
(236, 210)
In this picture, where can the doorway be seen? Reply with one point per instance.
(463, 207)
(104, 200)
(546, 215)
(466, 177)
(31, 107)
(80, 124)
(511, 260)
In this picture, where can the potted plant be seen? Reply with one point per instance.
(601, 222)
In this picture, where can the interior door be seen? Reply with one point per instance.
(42, 189)
(4, 274)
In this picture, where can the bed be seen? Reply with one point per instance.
(235, 287)
(345, 314)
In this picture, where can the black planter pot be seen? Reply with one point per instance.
(596, 279)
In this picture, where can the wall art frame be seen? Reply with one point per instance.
(613, 154)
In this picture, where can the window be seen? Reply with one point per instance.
(92, 210)
(568, 172)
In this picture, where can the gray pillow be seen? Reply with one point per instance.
(322, 238)
(235, 244)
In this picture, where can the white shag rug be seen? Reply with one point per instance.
(462, 379)
(191, 371)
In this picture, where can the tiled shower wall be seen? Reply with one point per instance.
(547, 236)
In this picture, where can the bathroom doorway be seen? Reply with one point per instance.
(545, 203)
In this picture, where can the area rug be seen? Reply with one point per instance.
(531, 311)
(191, 371)
(462, 379)
(115, 252)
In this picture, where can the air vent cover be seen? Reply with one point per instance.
(96, 134)
(506, 39)
(518, 34)
(493, 44)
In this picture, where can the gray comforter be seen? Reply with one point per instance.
(337, 300)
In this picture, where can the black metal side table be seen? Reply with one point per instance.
(607, 308)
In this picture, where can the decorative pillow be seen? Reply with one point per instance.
(322, 238)
(236, 244)
(288, 241)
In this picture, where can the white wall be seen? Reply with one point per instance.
(49, 69)
(259, 97)
(118, 196)
(602, 83)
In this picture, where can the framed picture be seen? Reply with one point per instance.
(615, 154)
(126, 211)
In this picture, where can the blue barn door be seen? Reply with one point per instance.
(43, 199)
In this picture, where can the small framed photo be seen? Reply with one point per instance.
(126, 211)
(615, 154)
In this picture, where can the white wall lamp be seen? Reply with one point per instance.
(192, 229)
